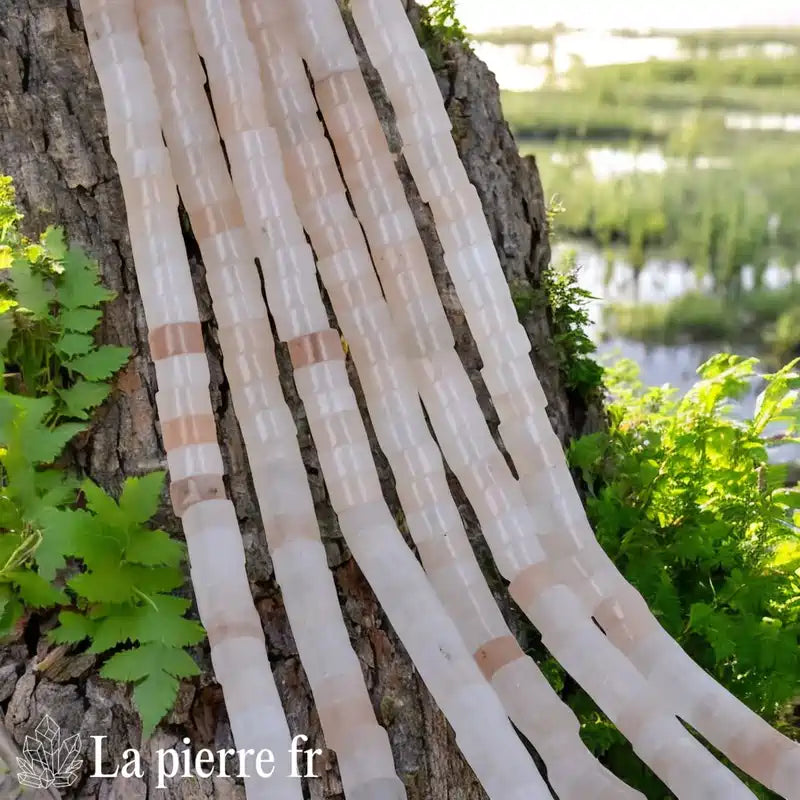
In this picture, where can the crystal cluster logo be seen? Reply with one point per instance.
(48, 761)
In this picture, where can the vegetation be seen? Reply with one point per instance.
(685, 500)
(763, 317)
(64, 543)
(440, 27)
(566, 301)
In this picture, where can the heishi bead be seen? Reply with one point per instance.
(292, 489)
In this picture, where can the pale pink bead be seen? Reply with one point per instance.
(512, 544)
(425, 328)
(368, 347)
(195, 459)
(348, 491)
(338, 430)
(384, 198)
(463, 233)
(270, 424)
(364, 143)
(141, 163)
(189, 128)
(183, 401)
(403, 287)
(371, 172)
(345, 265)
(400, 257)
(354, 294)
(390, 375)
(189, 369)
(320, 378)
(323, 212)
(398, 433)
(431, 519)
(415, 462)
(282, 232)
(324, 39)
(285, 488)
(250, 307)
(205, 523)
(365, 755)
(197, 167)
(118, 48)
(413, 71)
(297, 128)
(419, 127)
(332, 239)
(441, 151)
(515, 376)
(153, 191)
(513, 343)
(320, 407)
(233, 280)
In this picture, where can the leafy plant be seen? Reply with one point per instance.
(567, 301)
(64, 543)
(685, 500)
(50, 305)
(121, 596)
(443, 21)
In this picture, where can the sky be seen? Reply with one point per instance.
(480, 15)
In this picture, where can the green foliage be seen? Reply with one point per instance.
(66, 544)
(443, 22)
(567, 302)
(684, 499)
(771, 315)
(440, 27)
(121, 596)
(50, 305)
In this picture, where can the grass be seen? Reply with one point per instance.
(716, 220)
(768, 317)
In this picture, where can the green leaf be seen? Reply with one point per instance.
(100, 364)
(177, 662)
(79, 286)
(130, 665)
(141, 497)
(154, 697)
(106, 508)
(104, 586)
(73, 344)
(44, 446)
(114, 629)
(63, 534)
(166, 623)
(54, 243)
(82, 397)
(31, 290)
(72, 628)
(80, 320)
(154, 548)
(35, 590)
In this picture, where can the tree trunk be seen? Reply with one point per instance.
(53, 142)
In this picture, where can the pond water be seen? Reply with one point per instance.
(659, 281)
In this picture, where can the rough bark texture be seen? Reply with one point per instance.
(53, 142)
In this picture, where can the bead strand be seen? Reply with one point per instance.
(433, 159)
(342, 445)
(430, 512)
(276, 464)
(216, 553)
(449, 398)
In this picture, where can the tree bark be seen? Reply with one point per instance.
(53, 142)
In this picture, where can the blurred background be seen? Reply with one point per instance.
(667, 136)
